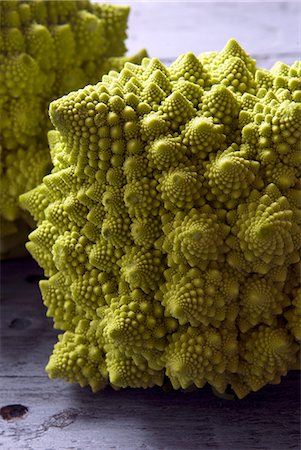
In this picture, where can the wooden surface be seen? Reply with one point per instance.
(64, 417)
(269, 30)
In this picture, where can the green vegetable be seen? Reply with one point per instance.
(170, 225)
(47, 48)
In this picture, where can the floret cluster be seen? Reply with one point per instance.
(47, 48)
(169, 227)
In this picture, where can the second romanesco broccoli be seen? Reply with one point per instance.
(47, 48)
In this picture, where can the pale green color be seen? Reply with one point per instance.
(170, 225)
(47, 49)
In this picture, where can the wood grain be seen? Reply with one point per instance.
(64, 417)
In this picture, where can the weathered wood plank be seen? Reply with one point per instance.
(268, 30)
(64, 417)
(129, 419)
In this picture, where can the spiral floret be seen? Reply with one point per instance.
(169, 227)
(48, 48)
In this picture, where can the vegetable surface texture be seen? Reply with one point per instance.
(47, 48)
(169, 227)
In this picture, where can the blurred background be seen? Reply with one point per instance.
(268, 30)
(61, 416)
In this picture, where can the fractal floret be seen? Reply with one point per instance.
(169, 228)
(47, 49)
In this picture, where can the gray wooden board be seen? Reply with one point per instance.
(65, 417)
(269, 30)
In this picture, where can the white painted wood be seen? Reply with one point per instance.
(64, 417)
(270, 31)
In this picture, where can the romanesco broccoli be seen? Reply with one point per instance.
(169, 227)
(47, 48)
